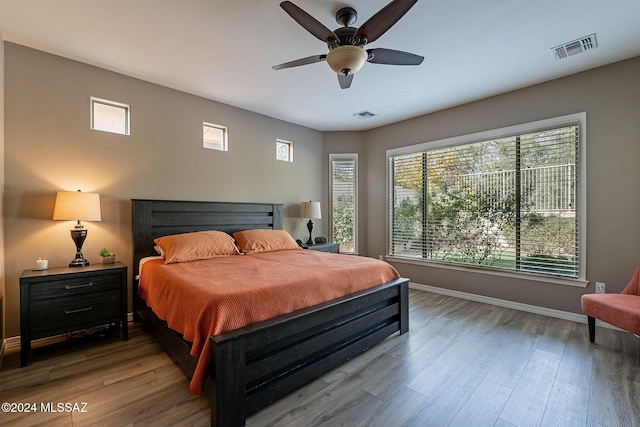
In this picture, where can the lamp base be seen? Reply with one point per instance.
(310, 228)
(79, 262)
(78, 235)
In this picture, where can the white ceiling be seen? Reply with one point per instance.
(224, 50)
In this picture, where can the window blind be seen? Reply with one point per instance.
(343, 203)
(506, 203)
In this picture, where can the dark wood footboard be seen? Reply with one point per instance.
(254, 366)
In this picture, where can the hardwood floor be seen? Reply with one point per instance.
(463, 363)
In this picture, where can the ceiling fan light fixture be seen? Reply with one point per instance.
(347, 59)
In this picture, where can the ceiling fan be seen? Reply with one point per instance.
(346, 44)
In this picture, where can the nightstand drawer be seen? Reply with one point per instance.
(67, 312)
(73, 286)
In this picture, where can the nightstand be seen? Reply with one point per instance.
(322, 247)
(68, 299)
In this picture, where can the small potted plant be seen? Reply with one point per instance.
(107, 256)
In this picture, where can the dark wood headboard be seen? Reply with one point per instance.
(155, 218)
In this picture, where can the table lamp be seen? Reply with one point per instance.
(77, 206)
(310, 210)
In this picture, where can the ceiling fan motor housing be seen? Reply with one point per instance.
(347, 36)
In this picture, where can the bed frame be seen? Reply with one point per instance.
(255, 365)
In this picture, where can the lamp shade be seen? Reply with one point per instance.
(346, 59)
(310, 210)
(77, 206)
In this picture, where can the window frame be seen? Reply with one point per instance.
(581, 199)
(289, 145)
(345, 157)
(127, 117)
(225, 137)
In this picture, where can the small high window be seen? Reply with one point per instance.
(215, 137)
(284, 150)
(109, 116)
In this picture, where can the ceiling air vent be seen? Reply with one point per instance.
(364, 115)
(575, 47)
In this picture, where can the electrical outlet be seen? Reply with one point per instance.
(600, 288)
(381, 257)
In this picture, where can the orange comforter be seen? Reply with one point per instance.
(204, 298)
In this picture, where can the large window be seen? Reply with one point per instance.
(510, 199)
(344, 201)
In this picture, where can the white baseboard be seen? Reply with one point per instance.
(566, 315)
(13, 342)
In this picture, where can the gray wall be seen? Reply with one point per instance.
(49, 147)
(611, 98)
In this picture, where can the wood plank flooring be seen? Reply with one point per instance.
(463, 363)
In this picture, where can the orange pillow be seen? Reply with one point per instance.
(194, 246)
(253, 241)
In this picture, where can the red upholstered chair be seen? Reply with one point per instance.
(621, 310)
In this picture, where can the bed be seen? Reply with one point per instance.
(254, 365)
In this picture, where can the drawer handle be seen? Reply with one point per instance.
(78, 310)
(86, 285)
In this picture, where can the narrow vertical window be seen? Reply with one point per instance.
(344, 201)
(109, 116)
(215, 137)
(284, 150)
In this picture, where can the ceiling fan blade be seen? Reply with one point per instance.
(345, 81)
(379, 23)
(308, 22)
(301, 61)
(393, 57)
